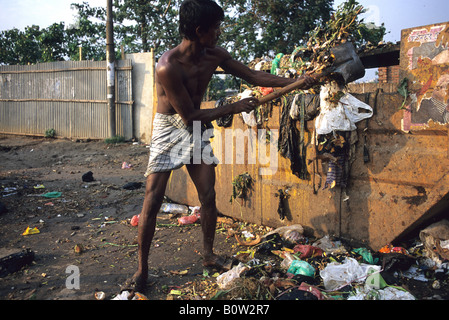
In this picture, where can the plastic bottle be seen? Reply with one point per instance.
(174, 208)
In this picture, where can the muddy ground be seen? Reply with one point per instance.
(95, 217)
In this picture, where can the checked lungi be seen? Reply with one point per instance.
(173, 144)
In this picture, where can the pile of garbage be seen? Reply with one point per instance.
(284, 264)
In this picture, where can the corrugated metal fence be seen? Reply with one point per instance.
(68, 96)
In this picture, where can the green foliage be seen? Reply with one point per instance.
(403, 91)
(241, 186)
(251, 29)
(114, 140)
(259, 28)
(50, 133)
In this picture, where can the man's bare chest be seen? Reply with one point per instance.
(197, 77)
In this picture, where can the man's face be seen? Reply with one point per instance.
(210, 38)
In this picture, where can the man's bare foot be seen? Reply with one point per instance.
(137, 283)
(218, 262)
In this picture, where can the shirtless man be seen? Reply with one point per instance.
(182, 77)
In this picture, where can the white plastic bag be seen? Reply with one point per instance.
(248, 117)
(341, 116)
(336, 275)
(329, 246)
(294, 109)
(388, 293)
(225, 279)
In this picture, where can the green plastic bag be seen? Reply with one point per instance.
(276, 63)
(301, 267)
(55, 194)
(367, 256)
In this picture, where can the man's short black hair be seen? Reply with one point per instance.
(198, 13)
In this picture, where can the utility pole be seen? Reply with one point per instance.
(110, 59)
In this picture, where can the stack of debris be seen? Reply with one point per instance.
(284, 264)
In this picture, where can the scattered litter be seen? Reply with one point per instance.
(135, 220)
(126, 165)
(133, 185)
(329, 246)
(185, 220)
(307, 251)
(16, 261)
(433, 237)
(301, 267)
(39, 186)
(29, 231)
(224, 280)
(126, 295)
(79, 248)
(54, 194)
(174, 208)
(389, 293)
(337, 275)
(88, 177)
(100, 295)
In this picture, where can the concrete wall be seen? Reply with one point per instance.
(143, 94)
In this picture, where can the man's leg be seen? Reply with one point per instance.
(203, 176)
(154, 195)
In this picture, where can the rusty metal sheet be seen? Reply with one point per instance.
(405, 182)
(406, 177)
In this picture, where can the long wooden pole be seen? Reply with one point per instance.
(110, 59)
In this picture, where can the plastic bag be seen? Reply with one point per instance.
(329, 246)
(285, 264)
(336, 275)
(248, 117)
(301, 267)
(294, 108)
(308, 251)
(367, 256)
(188, 219)
(286, 230)
(135, 220)
(433, 237)
(225, 279)
(341, 116)
(388, 293)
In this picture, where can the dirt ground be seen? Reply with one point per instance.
(95, 217)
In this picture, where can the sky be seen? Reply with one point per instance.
(395, 14)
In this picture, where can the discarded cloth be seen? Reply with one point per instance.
(291, 143)
(173, 144)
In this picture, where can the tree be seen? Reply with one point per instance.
(258, 28)
(52, 43)
(252, 29)
(88, 32)
(20, 47)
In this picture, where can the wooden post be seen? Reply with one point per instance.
(110, 59)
